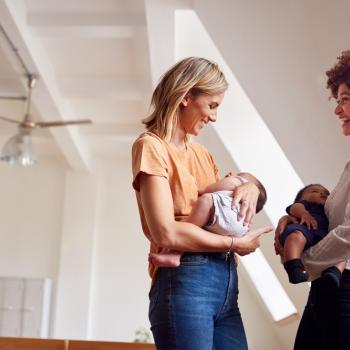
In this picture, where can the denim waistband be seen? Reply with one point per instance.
(213, 255)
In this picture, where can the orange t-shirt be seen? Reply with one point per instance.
(187, 171)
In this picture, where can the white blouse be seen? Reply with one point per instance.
(335, 247)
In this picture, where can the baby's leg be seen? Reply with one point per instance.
(293, 247)
(199, 216)
(201, 211)
(169, 259)
(331, 277)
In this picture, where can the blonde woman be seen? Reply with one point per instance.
(195, 305)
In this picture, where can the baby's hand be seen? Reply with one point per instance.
(309, 221)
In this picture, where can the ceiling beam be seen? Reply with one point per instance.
(86, 20)
(47, 96)
(115, 32)
(160, 18)
(106, 88)
(120, 25)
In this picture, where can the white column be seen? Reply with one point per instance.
(160, 18)
(75, 271)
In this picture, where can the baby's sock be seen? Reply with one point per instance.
(331, 278)
(296, 273)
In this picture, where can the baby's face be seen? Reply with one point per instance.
(316, 193)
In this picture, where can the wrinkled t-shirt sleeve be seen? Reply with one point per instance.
(148, 156)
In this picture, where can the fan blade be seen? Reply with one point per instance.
(17, 98)
(63, 123)
(10, 120)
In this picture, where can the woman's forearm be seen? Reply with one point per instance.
(332, 249)
(185, 236)
(158, 208)
(165, 231)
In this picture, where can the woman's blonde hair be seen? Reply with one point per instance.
(194, 75)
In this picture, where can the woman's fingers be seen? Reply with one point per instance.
(251, 240)
(258, 232)
(237, 196)
(249, 214)
(278, 247)
(243, 210)
(246, 195)
(282, 223)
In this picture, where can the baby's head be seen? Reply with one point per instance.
(313, 193)
(262, 195)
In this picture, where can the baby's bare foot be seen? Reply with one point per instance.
(165, 260)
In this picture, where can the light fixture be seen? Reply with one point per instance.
(19, 150)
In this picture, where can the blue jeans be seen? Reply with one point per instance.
(194, 306)
(325, 323)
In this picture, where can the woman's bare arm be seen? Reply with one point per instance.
(166, 232)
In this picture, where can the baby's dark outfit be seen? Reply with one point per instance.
(316, 210)
(294, 267)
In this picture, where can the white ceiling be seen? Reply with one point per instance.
(92, 61)
(97, 59)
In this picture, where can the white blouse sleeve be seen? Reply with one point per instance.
(332, 249)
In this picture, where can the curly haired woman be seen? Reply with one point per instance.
(325, 323)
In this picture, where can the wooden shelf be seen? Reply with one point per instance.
(7, 343)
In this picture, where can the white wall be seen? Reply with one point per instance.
(279, 52)
(31, 220)
(121, 282)
(32, 207)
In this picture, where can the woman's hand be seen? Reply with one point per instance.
(248, 243)
(282, 223)
(247, 195)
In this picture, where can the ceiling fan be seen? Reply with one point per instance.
(19, 149)
(27, 122)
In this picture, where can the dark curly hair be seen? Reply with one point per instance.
(339, 74)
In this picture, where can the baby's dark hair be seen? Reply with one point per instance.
(339, 73)
(262, 191)
(301, 192)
